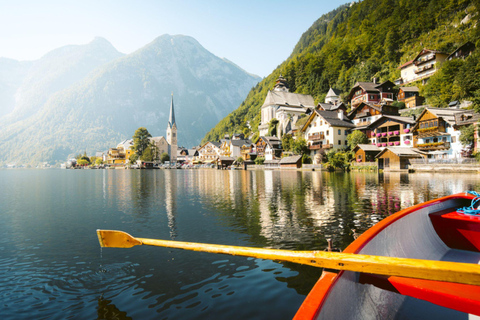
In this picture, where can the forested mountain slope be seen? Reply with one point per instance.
(371, 39)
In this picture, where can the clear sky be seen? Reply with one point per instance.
(257, 35)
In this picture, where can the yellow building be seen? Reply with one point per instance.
(121, 153)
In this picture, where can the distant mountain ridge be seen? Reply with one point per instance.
(100, 96)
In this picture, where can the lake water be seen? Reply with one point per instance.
(52, 266)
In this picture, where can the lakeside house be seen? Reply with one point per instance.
(325, 131)
(437, 131)
(390, 131)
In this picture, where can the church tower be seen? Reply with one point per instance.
(172, 134)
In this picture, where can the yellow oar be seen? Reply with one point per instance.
(465, 273)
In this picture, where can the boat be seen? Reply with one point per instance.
(438, 230)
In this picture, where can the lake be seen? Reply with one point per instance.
(52, 266)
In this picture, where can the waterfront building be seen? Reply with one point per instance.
(326, 130)
(422, 67)
(121, 153)
(268, 147)
(388, 131)
(437, 131)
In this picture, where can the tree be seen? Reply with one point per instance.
(287, 142)
(299, 145)
(272, 127)
(83, 162)
(150, 153)
(164, 157)
(141, 140)
(356, 137)
(98, 161)
(133, 158)
(467, 135)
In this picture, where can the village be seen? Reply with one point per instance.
(394, 129)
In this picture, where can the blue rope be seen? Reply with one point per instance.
(471, 210)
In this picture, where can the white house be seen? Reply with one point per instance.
(326, 130)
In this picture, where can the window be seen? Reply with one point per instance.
(339, 132)
(454, 139)
(359, 157)
(346, 132)
(328, 133)
(339, 142)
(346, 142)
(314, 124)
(435, 123)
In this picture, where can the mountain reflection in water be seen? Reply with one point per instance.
(53, 267)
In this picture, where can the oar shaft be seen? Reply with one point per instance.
(413, 268)
(465, 273)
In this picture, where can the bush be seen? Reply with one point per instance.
(259, 160)
(306, 159)
(240, 160)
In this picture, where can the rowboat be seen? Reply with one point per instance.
(434, 231)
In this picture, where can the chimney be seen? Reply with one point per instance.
(375, 80)
(340, 114)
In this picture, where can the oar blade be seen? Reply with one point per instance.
(116, 239)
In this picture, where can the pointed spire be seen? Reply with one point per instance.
(171, 119)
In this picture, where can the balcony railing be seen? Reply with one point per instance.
(315, 137)
(424, 68)
(320, 146)
(430, 132)
(434, 146)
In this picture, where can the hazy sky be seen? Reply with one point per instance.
(257, 35)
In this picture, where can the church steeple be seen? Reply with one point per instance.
(171, 119)
(172, 134)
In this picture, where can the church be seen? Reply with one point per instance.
(168, 145)
(285, 106)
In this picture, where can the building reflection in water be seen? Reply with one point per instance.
(283, 209)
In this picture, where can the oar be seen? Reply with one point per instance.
(465, 273)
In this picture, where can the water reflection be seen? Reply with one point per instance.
(52, 266)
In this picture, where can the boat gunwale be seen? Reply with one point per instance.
(311, 306)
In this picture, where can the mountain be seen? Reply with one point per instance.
(57, 70)
(370, 39)
(109, 103)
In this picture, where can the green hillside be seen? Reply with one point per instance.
(371, 39)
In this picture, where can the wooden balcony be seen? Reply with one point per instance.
(316, 137)
(320, 146)
(424, 60)
(434, 146)
(424, 68)
(431, 132)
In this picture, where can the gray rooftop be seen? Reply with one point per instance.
(283, 98)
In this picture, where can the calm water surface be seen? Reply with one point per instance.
(52, 266)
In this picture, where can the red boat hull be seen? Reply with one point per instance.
(432, 230)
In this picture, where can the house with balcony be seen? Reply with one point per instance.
(209, 152)
(121, 153)
(365, 114)
(410, 96)
(437, 131)
(285, 106)
(269, 147)
(427, 62)
(390, 131)
(371, 92)
(236, 147)
(326, 130)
